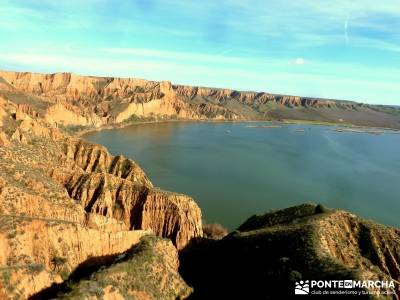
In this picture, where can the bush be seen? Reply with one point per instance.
(64, 274)
(6, 277)
(214, 231)
(295, 276)
(117, 206)
(126, 166)
(58, 260)
(319, 209)
(36, 268)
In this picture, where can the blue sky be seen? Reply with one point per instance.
(344, 49)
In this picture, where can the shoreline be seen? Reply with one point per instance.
(123, 125)
(80, 134)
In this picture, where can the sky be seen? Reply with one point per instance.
(340, 49)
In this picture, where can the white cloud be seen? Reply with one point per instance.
(194, 57)
(346, 26)
(325, 83)
(299, 61)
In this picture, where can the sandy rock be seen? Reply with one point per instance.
(44, 251)
(4, 141)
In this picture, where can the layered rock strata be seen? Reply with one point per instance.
(66, 203)
(75, 101)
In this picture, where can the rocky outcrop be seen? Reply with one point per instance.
(126, 194)
(36, 253)
(53, 84)
(68, 115)
(24, 110)
(118, 188)
(95, 158)
(307, 242)
(66, 205)
(171, 215)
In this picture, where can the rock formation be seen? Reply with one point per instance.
(66, 203)
(38, 252)
(73, 100)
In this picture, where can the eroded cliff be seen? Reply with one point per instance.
(66, 203)
(73, 100)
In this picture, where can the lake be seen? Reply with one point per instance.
(234, 171)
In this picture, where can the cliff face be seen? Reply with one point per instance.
(66, 204)
(252, 98)
(362, 245)
(116, 187)
(307, 242)
(139, 207)
(37, 253)
(95, 158)
(73, 100)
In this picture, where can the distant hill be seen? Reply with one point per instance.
(72, 100)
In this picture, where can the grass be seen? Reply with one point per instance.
(74, 129)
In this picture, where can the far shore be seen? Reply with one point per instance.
(347, 127)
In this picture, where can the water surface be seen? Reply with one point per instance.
(234, 171)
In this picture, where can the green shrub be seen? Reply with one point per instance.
(117, 206)
(320, 209)
(6, 276)
(36, 268)
(64, 274)
(295, 276)
(125, 167)
(58, 261)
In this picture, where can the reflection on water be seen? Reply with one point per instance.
(234, 171)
